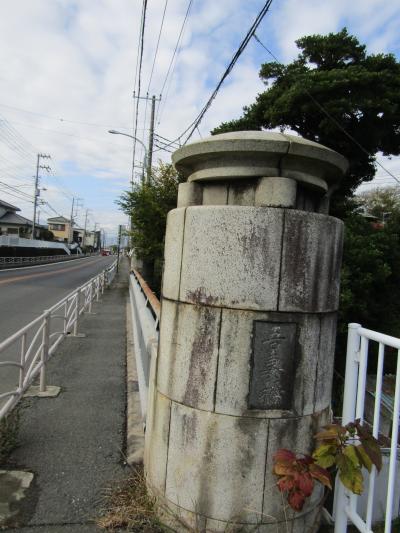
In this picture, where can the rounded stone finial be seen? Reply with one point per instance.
(257, 154)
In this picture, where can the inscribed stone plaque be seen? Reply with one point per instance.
(272, 376)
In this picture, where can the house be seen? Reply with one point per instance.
(61, 228)
(92, 240)
(11, 223)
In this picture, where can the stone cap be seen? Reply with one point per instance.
(256, 154)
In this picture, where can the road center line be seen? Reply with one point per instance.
(44, 274)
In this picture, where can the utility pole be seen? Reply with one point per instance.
(151, 139)
(84, 230)
(36, 189)
(96, 243)
(71, 234)
(76, 202)
(119, 244)
(147, 163)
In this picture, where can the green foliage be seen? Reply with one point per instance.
(46, 234)
(349, 449)
(147, 206)
(360, 92)
(370, 279)
(383, 203)
(346, 449)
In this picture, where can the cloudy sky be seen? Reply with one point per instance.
(68, 73)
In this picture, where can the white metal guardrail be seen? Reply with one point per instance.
(6, 262)
(145, 312)
(38, 340)
(358, 343)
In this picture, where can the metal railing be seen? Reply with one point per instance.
(45, 259)
(145, 312)
(37, 341)
(345, 506)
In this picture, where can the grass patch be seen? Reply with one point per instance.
(129, 505)
(9, 431)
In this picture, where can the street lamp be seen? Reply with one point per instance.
(115, 132)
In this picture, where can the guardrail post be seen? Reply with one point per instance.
(45, 350)
(22, 361)
(75, 330)
(90, 297)
(98, 288)
(65, 317)
(349, 405)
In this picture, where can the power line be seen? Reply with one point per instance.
(194, 125)
(14, 195)
(139, 75)
(15, 139)
(158, 43)
(337, 124)
(159, 113)
(238, 53)
(165, 139)
(163, 149)
(14, 189)
(60, 119)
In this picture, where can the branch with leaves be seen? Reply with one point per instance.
(343, 449)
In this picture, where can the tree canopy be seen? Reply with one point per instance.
(383, 203)
(332, 87)
(147, 205)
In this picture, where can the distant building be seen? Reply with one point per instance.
(61, 228)
(16, 225)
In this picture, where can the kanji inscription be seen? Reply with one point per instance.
(273, 371)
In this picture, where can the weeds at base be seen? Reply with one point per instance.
(128, 505)
(9, 431)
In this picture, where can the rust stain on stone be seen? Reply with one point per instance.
(200, 296)
(189, 428)
(201, 356)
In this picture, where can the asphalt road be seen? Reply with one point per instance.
(74, 443)
(26, 292)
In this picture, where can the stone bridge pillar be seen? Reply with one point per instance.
(247, 335)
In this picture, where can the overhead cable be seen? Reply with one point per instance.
(159, 113)
(229, 68)
(138, 76)
(194, 125)
(157, 46)
(60, 119)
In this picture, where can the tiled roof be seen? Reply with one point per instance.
(9, 206)
(18, 220)
(57, 220)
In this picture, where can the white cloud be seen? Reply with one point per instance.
(76, 59)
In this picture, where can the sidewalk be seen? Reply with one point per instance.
(75, 444)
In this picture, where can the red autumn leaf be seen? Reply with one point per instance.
(285, 484)
(306, 460)
(305, 483)
(296, 500)
(281, 469)
(322, 475)
(284, 456)
(330, 432)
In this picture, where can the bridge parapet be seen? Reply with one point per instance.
(247, 331)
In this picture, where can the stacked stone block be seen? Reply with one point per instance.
(247, 335)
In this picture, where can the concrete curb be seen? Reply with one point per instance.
(134, 422)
